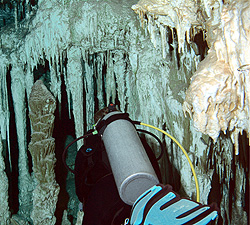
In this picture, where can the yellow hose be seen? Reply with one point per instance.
(185, 153)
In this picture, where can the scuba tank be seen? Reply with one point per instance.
(131, 167)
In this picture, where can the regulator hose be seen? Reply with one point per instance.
(157, 139)
(185, 153)
(64, 155)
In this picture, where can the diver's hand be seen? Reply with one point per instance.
(160, 205)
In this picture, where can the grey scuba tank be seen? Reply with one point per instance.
(129, 162)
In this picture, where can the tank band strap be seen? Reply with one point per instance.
(101, 126)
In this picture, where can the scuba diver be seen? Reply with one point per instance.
(118, 179)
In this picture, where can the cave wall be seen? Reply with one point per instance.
(90, 53)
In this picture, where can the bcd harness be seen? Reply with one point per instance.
(102, 124)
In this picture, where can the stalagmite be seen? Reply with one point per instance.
(42, 145)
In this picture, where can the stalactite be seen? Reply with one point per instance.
(120, 74)
(164, 45)
(4, 106)
(99, 76)
(239, 214)
(232, 182)
(4, 210)
(181, 15)
(16, 15)
(102, 54)
(29, 81)
(165, 21)
(74, 85)
(55, 84)
(211, 13)
(24, 179)
(110, 79)
(42, 145)
(89, 91)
